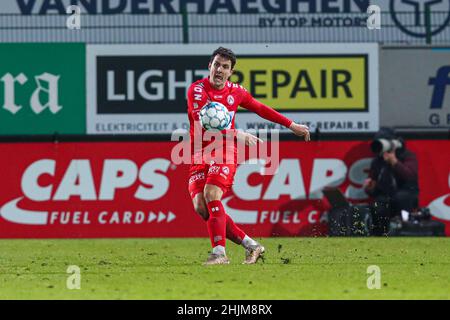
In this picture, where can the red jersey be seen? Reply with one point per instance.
(231, 96)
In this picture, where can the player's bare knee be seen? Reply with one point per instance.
(212, 193)
(201, 209)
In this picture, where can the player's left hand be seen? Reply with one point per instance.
(300, 130)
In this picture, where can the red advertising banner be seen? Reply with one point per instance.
(133, 189)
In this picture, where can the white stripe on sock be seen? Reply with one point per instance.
(218, 250)
(247, 242)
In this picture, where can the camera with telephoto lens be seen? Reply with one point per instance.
(379, 146)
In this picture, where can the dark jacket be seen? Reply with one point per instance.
(404, 175)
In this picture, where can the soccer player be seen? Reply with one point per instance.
(208, 182)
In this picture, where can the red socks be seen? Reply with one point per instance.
(234, 233)
(221, 226)
(216, 223)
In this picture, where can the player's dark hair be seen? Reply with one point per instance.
(225, 53)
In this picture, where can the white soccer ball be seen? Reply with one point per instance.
(215, 115)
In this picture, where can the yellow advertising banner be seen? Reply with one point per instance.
(306, 83)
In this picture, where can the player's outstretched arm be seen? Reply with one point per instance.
(300, 130)
(272, 115)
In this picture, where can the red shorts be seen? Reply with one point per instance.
(221, 175)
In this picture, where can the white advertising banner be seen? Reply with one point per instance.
(415, 87)
(162, 21)
(141, 89)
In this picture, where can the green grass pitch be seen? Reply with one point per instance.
(293, 268)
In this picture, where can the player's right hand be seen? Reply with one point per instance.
(300, 130)
(248, 138)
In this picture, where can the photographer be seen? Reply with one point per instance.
(393, 179)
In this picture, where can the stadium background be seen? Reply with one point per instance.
(80, 106)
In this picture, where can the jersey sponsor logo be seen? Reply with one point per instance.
(198, 93)
(230, 100)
